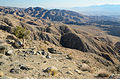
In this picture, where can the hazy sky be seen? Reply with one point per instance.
(55, 3)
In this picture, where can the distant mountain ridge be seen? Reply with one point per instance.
(98, 10)
(65, 16)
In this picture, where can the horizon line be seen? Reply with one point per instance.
(59, 7)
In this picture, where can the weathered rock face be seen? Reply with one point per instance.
(51, 33)
(52, 30)
(86, 43)
(5, 28)
(75, 41)
(117, 47)
(49, 37)
(107, 57)
(64, 29)
(71, 40)
(5, 24)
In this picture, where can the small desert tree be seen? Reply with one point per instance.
(20, 32)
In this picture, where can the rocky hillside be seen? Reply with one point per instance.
(54, 49)
(43, 60)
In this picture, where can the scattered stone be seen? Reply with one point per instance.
(44, 61)
(1, 63)
(85, 67)
(1, 74)
(85, 61)
(48, 56)
(52, 50)
(69, 72)
(32, 52)
(69, 57)
(32, 48)
(10, 52)
(18, 44)
(29, 51)
(10, 41)
(43, 53)
(23, 67)
(78, 71)
(52, 71)
(64, 67)
(112, 76)
(15, 71)
(38, 52)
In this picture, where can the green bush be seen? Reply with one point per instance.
(20, 32)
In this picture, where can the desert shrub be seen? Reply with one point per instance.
(53, 72)
(20, 32)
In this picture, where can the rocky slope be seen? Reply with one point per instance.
(37, 57)
(54, 49)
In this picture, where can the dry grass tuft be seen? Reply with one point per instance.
(52, 71)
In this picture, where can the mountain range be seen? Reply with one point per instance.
(64, 16)
(107, 10)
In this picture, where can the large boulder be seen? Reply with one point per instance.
(18, 44)
(71, 40)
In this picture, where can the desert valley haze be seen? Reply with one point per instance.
(67, 39)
